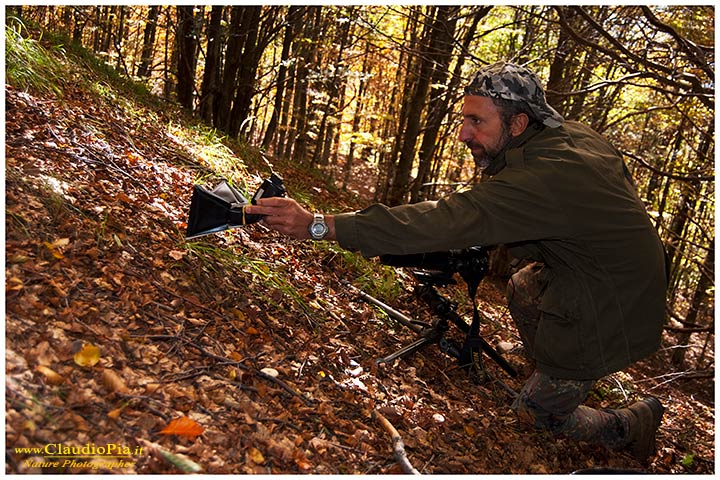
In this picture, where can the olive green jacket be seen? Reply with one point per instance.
(560, 196)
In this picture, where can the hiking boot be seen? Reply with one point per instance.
(644, 418)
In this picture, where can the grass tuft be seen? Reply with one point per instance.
(30, 66)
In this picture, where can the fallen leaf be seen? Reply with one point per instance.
(17, 258)
(87, 356)
(14, 284)
(113, 382)
(184, 427)
(53, 251)
(176, 254)
(55, 247)
(51, 376)
(301, 460)
(256, 455)
(115, 414)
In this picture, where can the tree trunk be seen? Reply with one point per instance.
(334, 84)
(416, 107)
(440, 55)
(233, 55)
(347, 169)
(106, 28)
(561, 67)
(211, 76)
(148, 42)
(119, 39)
(701, 299)
(245, 81)
(186, 45)
(80, 18)
(395, 121)
(97, 32)
(306, 59)
(271, 129)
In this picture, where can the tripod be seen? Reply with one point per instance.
(434, 333)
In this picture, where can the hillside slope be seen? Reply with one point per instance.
(116, 326)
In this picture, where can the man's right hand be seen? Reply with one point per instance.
(288, 217)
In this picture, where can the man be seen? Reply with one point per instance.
(592, 299)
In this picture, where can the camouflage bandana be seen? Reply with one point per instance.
(513, 82)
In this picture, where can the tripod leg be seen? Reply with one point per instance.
(495, 356)
(407, 350)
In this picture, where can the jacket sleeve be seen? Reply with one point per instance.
(494, 212)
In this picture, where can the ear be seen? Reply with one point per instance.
(518, 124)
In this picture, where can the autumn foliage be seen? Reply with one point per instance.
(242, 352)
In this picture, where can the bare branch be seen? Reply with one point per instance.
(398, 445)
(696, 53)
(687, 178)
(624, 56)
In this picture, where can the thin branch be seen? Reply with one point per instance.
(695, 51)
(259, 373)
(671, 377)
(623, 56)
(398, 445)
(687, 178)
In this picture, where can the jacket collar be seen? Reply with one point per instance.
(499, 162)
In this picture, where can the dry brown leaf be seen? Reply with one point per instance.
(55, 247)
(14, 284)
(113, 382)
(176, 254)
(51, 376)
(270, 372)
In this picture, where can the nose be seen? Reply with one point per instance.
(464, 134)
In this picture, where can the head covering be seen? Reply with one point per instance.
(513, 82)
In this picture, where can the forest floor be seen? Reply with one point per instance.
(242, 352)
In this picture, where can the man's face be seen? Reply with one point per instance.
(482, 129)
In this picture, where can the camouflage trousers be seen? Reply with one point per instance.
(549, 403)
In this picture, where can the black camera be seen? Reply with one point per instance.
(223, 207)
(271, 187)
(438, 268)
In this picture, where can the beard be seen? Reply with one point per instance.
(484, 155)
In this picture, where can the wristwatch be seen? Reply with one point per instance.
(318, 229)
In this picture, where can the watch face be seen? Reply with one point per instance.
(318, 230)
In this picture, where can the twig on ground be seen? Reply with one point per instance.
(398, 445)
(259, 373)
